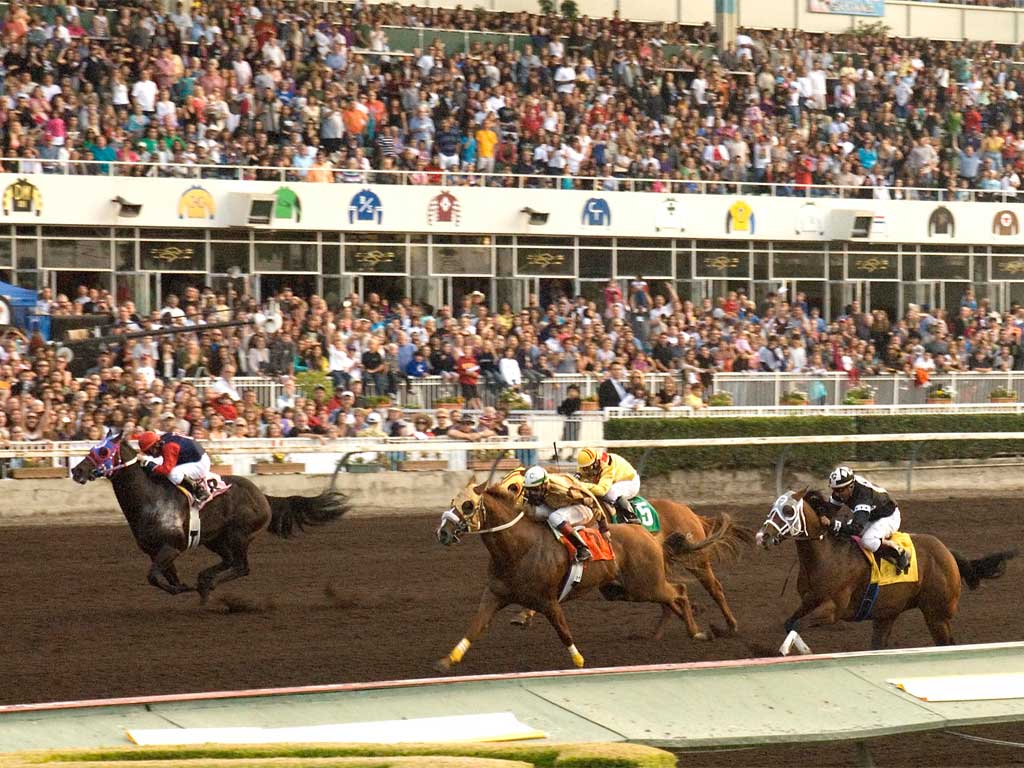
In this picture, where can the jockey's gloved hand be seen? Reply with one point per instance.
(836, 527)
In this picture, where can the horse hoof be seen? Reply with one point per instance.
(444, 664)
(519, 621)
(702, 636)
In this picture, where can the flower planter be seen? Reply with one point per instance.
(939, 401)
(793, 402)
(276, 468)
(588, 405)
(364, 468)
(222, 469)
(449, 406)
(486, 464)
(1002, 399)
(39, 473)
(424, 465)
(868, 401)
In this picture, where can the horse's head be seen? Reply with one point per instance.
(103, 459)
(786, 519)
(472, 509)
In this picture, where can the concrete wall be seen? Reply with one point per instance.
(30, 502)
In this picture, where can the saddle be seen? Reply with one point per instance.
(599, 546)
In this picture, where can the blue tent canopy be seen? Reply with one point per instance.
(23, 307)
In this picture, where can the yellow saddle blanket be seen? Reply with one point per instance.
(886, 574)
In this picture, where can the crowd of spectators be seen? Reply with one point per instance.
(365, 349)
(314, 88)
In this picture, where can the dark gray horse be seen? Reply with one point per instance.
(158, 515)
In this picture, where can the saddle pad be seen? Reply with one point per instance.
(599, 546)
(645, 512)
(887, 573)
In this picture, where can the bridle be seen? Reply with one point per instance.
(107, 461)
(792, 525)
(463, 521)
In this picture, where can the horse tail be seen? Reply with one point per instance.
(723, 539)
(988, 567)
(291, 513)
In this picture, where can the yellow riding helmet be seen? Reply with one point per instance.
(588, 458)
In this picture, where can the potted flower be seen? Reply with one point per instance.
(379, 401)
(794, 397)
(721, 400)
(1002, 395)
(450, 402)
(862, 395)
(278, 466)
(511, 400)
(307, 382)
(359, 464)
(940, 394)
(588, 403)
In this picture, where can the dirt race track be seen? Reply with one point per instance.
(379, 599)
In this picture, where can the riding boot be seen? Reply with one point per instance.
(626, 513)
(895, 555)
(582, 550)
(197, 488)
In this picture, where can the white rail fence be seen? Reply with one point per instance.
(323, 456)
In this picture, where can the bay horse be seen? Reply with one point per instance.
(834, 573)
(675, 517)
(528, 567)
(158, 515)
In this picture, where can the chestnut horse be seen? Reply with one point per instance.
(675, 518)
(835, 574)
(528, 567)
(158, 515)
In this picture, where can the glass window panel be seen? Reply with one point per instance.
(806, 264)
(227, 255)
(6, 252)
(545, 242)
(76, 254)
(545, 262)
(68, 233)
(1007, 268)
(168, 234)
(29, 280)
(798, 245)
(286, 236)
(238, 235)
(26, 231)
(872, 266)
(506, 260)
(332, 290)
(595, 242)
(286, 257)
(762, 261)
(173, 256)
(27, 254)
(936, 266)
(461, 239)
(355, 238)
(684, 259)
(712, 264)
(643, 243)
(596, 262)
(461, 260)
(124, 255)
(649, 263)
(375, 258)
(331, 255)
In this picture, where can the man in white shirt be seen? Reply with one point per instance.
(144, 92)
(565, 78)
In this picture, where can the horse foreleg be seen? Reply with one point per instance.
(666, 617)
(710, 582)
(490, 604)
(162, 573)
(813, 611)
(881, 629)
(207, 578)
(676, 598)
(234, 565)
(554, 614)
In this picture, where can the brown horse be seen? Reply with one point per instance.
(835, 575)
(675, 518)
(528, 567)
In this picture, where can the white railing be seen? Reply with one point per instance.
(791, 411)
(267, 389)
(759, 390)
(27, 166)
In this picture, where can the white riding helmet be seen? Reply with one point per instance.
(535, 477)
(840, 477)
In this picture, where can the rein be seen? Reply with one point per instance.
(503, 526)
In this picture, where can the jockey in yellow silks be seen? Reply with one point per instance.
(564, 502)
(611, 478)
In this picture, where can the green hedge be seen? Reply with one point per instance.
(813, 457)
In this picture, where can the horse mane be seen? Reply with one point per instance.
(816, 500)
(499, 494)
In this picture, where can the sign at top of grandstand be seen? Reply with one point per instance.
(365, 206)
(597, 213)
(196, 203)
(444, 209)
(848, 7)
(22, 196)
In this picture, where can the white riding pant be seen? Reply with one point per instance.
(576, 514)
(880, 530)
(196, 470)
(628, 488)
